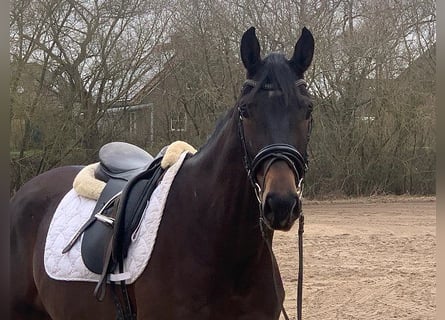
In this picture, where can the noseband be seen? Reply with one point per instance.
(298, 164)
(280, 151)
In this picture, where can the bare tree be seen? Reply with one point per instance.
(361, 88)
(90, 55)
(372, 77)
(365, 131)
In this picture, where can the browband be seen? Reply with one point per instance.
(269, 86)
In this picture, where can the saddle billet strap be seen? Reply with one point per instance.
(124, 308)
(123, 313)
(128, 311)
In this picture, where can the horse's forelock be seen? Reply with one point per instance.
(279, 74)
(275, 71)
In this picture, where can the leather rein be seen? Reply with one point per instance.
(299, 165)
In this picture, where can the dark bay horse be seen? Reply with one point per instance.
(210, 260)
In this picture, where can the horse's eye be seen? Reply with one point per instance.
(243, 110)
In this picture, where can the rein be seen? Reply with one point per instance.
(299, 165)
(300, 266)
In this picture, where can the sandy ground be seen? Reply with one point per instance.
(371, 258)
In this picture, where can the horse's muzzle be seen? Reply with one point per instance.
(281, 198)
(281, 168)
(281, 211)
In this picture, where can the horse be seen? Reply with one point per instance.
(211, 257)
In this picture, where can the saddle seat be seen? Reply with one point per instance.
(121, 160)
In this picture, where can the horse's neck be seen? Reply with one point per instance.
(221, 163)
(230, 206)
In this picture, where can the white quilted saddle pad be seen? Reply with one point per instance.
(74, 210)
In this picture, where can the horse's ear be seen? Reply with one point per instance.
(303, 53)
(250, 51)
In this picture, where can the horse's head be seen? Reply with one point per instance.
(274, 126)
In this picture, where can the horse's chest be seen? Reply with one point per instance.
(246, 308)
(197, 301)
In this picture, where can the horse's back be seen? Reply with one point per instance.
(31, 209)
(39, 193)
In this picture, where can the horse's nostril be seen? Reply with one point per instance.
(268, 208)
(278, 209)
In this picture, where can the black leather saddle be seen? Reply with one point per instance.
(131, 175)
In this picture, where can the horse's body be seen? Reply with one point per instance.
(210, 260)
(193, 265)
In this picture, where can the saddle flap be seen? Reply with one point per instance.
(134, 200)
(97, 234)
(113, 225)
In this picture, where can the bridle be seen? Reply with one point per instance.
(298, 164)
(277, 151)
